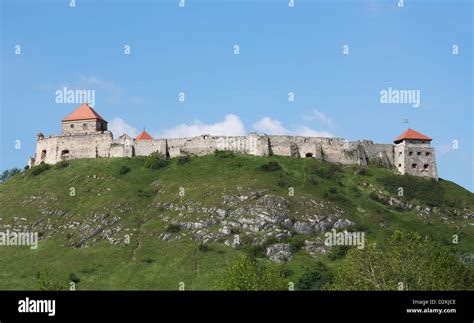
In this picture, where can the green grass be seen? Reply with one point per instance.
(113, 185)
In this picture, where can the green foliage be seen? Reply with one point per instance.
(8, 173)
(184, 159)
(245, 274)
(271, 166)
(45, 282)
(124, 170)
(422, 189)
(156, 161)
(338, 252)
(363, 171)
(222, 154)
(410, 263)
(296, 243)
(315, 278)
(173, 228)
(41, 168)
(376, 162)
(326, 171)
(74, 278)
(62, 164)
(204, 247)
(374, 196)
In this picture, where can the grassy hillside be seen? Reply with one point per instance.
(119, 224)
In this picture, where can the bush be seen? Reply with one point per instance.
(184, 159)
(271, 166)
(363, 171)
(425, 190)
(62, 164)
(156, 161)
(35, 171)
(173, 228)
(376, 162)
(244, 273)
(374, 196)
(315, 278)
(327, 171)
(124, 170)
(224, 154)
(296, 243)
(204, 247)
(338, 252)
(73, 277)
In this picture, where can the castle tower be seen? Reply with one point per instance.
(414, 154)
(144, 136)
(83, 120)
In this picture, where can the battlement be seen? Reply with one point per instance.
(411, 154)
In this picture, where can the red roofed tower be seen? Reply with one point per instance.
(144, 136)
(414, 154)
(83, 120)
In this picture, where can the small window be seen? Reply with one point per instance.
(65, 152)
(205, 136)
(399, 165)
(43, 154)
(72, 126)
(410, 153)
(413, 166)
(305, 140)
(400, 153)
(309, 155)
(84, 125)
(418, 153)
(428, 153)
(426, 166)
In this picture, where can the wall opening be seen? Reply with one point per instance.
(64, 152)
(418, 153)
(43, 154)
(413, 165)
(72, 125)
(410, 153)
(428, 153)
(426, 166)
(309, 155)
(399, 165)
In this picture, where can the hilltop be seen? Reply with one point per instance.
(144, 223)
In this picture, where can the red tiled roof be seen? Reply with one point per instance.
(83, 112)
(412, 134)
(144, 136)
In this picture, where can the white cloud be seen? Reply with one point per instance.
(308, 132)
(319, 117)
(231, 126)
(443, 149)
(270, 126)
(119, 127)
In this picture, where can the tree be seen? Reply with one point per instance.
(410, 263)
(245, 273)
(8, 173)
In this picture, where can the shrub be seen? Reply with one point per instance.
(374, 196)
(296, 243)
(224, 154)
(124, 170)
(376, 162)
(246, 274)
(363, 171)
(184, 159)
(315, 278)
(204, 247)
(425, 190)
(338, 252)
(327, 171)
(62, 164)
(173, 228)
(73, 277)
(271, 166)
(156, 161)
(35, 171)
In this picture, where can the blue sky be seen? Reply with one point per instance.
(282, 49)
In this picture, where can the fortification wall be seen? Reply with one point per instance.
(146, 147)
(53, 149)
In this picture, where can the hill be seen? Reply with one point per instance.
(148, 223)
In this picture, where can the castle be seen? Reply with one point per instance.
(84, 134)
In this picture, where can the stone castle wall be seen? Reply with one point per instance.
(98, 144)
